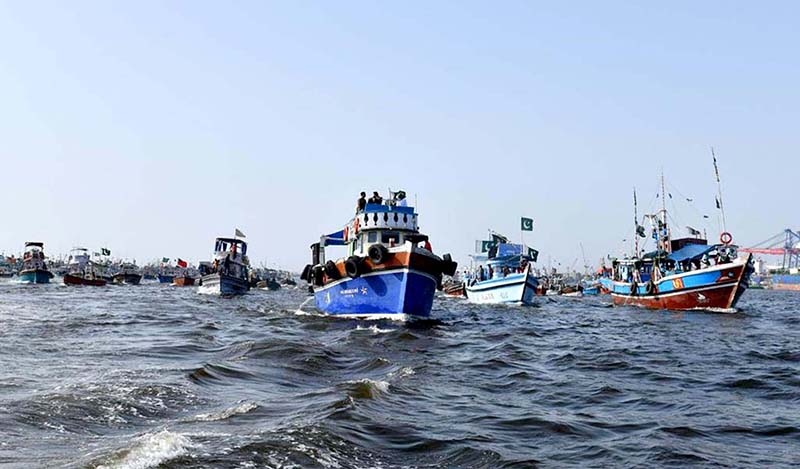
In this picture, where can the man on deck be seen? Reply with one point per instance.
(362, 203)
(376, 198)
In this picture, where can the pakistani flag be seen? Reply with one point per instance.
(486, 246)
(533, 254)
(526, 224)
(165, 260)
(105, 251)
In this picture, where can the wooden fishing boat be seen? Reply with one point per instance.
(390, 269)
(229, 273)
(34, 268)
(183, 281)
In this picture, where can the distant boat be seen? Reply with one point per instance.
(507, 276)
(183, 281)
(455, 288)
(229, 274)
(128, 274)
(34, 269)
(390, 269)
(81, 271)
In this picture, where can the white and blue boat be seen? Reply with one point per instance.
(34, 268)
(507, 276)
(389, 269)
(229, 273)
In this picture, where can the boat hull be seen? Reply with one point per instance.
(717, 288)
(389, 293)
(127, 279)
(224, 285)
(70, 279)
(166, 278)
(183, 281)
(515, 288)
(35, 276)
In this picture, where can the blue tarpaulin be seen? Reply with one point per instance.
(690, 251)
(335, 239)
(507, 249)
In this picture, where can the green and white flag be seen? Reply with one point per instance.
(533, 254)
(105, 251)
(165, 260)
(526, 224)
(487, 245)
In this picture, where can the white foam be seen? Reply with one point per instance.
(205, 290)
(240, 409)
(380, 386)
(150, 450)
(374, 329)
(403, 372)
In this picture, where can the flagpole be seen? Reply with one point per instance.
(719, 190)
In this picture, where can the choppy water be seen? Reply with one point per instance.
(155, 376)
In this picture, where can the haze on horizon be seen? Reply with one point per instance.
(153, 127)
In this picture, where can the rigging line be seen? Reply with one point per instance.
(683, 196)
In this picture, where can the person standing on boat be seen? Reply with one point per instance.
(481, 274)
(361, 204)
(376, 198)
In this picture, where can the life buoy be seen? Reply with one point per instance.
(726, 238)
(346, 232)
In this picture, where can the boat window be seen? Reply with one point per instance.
(372, 237)
(386, 236)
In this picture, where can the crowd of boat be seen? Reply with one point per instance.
(97, 269)
(385, 266)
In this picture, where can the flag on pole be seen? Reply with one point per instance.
(239, 234)
(717, 200)
(498, 238)
(533, 254)
(526, 224)
(486, 246)
(105, 251)
(716, 170)
(182, 263)
(693, 231)
(165, 260)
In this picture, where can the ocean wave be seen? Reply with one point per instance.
(147, 451)
(240, 409)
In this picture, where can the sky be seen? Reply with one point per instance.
(153, 127)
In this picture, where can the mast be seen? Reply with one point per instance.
(666, 238)
(720, 206)
(635, 225)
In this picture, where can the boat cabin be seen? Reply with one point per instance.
(387, 224)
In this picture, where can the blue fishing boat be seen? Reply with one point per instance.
(389, 269)
(507, 276)
(229, 272)
(680, 274)
(34, 268)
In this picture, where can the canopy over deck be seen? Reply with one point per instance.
(690, 252)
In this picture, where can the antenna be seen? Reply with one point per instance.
(720, 206)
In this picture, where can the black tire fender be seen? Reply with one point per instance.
(378, 253)
(352, 266)
(332, 271)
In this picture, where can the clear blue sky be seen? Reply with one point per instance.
(152, 127)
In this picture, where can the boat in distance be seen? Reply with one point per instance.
(81, 270)
(390, 269)
(128, 274)
(229, 273)
(34, 268)
(508, 276)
